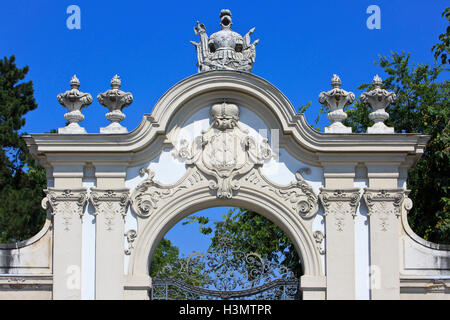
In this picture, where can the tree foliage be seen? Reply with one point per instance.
(252, 233)
(22, 180)
(442, 49)
(422, 106)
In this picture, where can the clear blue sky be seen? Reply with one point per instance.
(302, 43)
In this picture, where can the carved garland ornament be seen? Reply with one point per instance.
(110, 203)
(67, 203)
(383, 204)
(339, 203)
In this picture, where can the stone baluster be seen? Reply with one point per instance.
(115, 100)
(74, 101)
(378, 99)
(336, 100)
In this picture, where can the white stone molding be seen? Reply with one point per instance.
(131, 236)
(383, 205)
(378, 99)
(115, 100)
(65, 202)
(336, 100)
(298, 195)
(225, 49)
(339, 204)
(319, 237)
(148, 194)
(172, 210)
(224, 151)
(110, 204)
(74, 101)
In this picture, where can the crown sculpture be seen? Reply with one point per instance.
(225, 49)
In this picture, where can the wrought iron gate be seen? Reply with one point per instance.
(225, 274)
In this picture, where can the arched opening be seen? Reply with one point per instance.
(154, 228)
(225, 253)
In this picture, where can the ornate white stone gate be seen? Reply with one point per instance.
(224, 137)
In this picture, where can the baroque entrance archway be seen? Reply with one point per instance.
(225, 137)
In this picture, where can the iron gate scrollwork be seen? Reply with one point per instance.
(225, 273)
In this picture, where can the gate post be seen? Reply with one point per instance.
(110, 199)
(67, 201)
(383, 199)
(340, 199)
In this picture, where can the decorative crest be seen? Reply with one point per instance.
(336, 100)
(225, 150)
(225, 49)
(74, 101)
(378, 99)
(115, 100)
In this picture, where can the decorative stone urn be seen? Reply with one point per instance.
(74, 101)
(336, 100)
(378, 99)
(115, 100)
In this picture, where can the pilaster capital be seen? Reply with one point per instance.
(384, 204)
(339, 203)
(65, 202)
(110, 203)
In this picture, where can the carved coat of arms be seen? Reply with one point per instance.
(225, 150)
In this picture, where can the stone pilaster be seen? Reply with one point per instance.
(384, 210)
(340, 209)
(110, 210)
(67, 208)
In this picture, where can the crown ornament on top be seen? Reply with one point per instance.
(115, 100)
(74, 101)
(225, 49)
(378, 99)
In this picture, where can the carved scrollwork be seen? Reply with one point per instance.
(67, 203)
(110, 204)
(339, 204)
(385, 203)
(145, 198)
(298, 195)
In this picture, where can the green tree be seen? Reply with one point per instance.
(22, 180)
(442, 49)
(252, 232)
(422, 106)
(165, 254)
